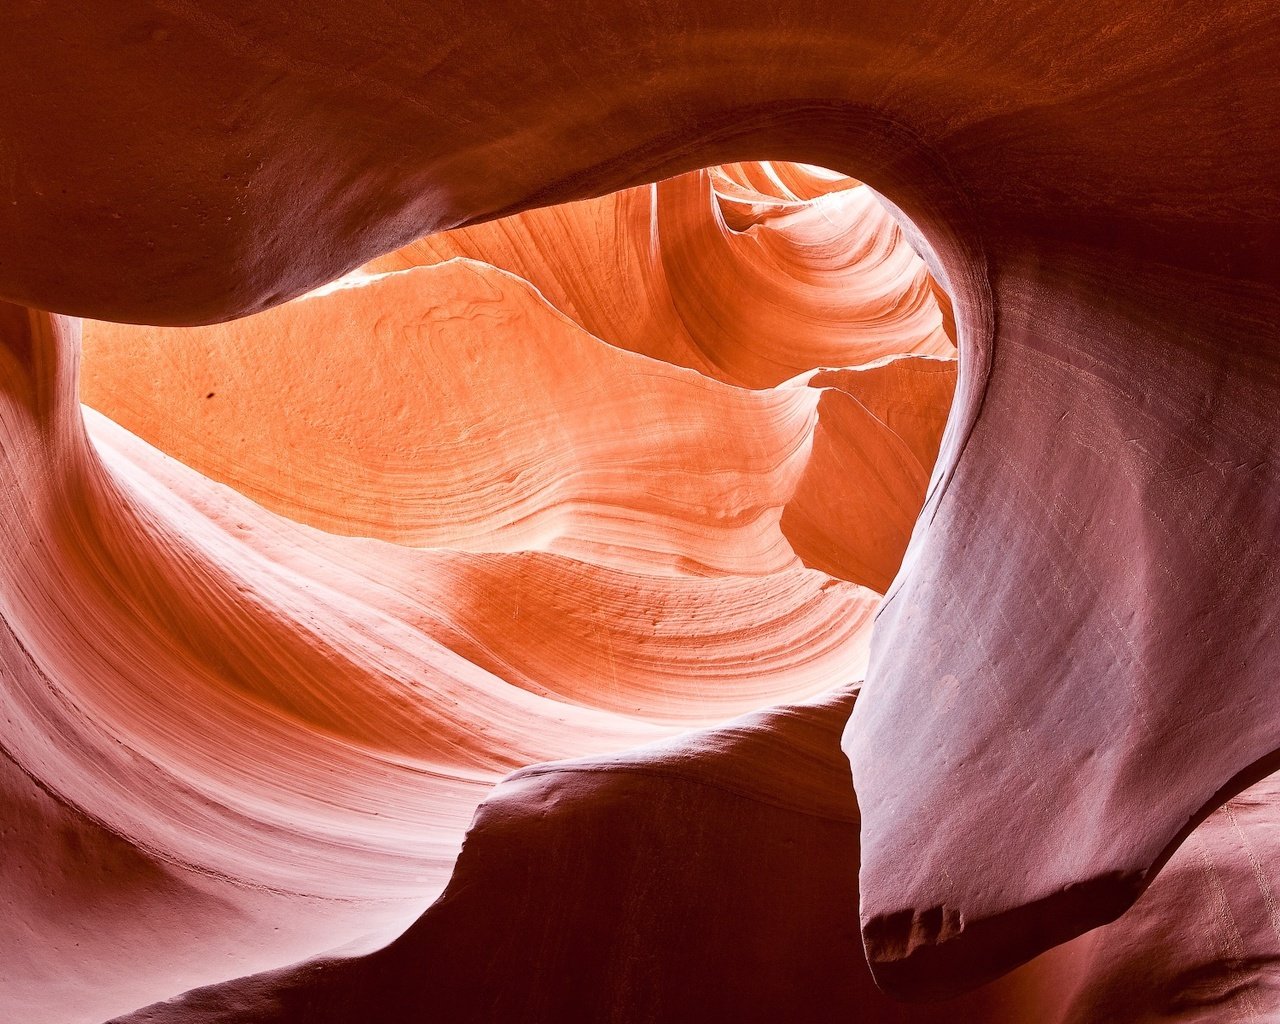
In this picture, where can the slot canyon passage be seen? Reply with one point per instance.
(537, 546)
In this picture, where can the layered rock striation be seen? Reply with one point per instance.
(1073, 671)
(328, 573)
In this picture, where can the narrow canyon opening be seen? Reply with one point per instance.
(556, 486)
(477, 636)
(693, 390)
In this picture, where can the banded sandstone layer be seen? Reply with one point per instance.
(1077, 655)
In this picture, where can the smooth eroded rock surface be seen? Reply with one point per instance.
(428, 530)
(1077, 661)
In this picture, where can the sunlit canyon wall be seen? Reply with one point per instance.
(564, 530)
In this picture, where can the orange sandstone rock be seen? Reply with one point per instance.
(1077, 661)
(284, 731)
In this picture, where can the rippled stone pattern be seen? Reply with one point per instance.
(1071, 685)
(298, 589)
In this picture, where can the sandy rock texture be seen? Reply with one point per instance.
(680, 880)
(291, 594)
(1073, 671)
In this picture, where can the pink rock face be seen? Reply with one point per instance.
(749, 287)
(713, 876)
(1203, 943)
(432, 532)
(1073, 671)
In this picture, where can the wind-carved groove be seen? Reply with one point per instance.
(280, 631)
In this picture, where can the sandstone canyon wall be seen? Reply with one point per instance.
(273, 644)
(312, 576)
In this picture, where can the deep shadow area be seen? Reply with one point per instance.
(709, 878)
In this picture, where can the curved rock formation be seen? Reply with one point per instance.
(1078, 656)
(743, 281)
(713, 876)
(500, 425)
(240, 696)
(535, 545)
